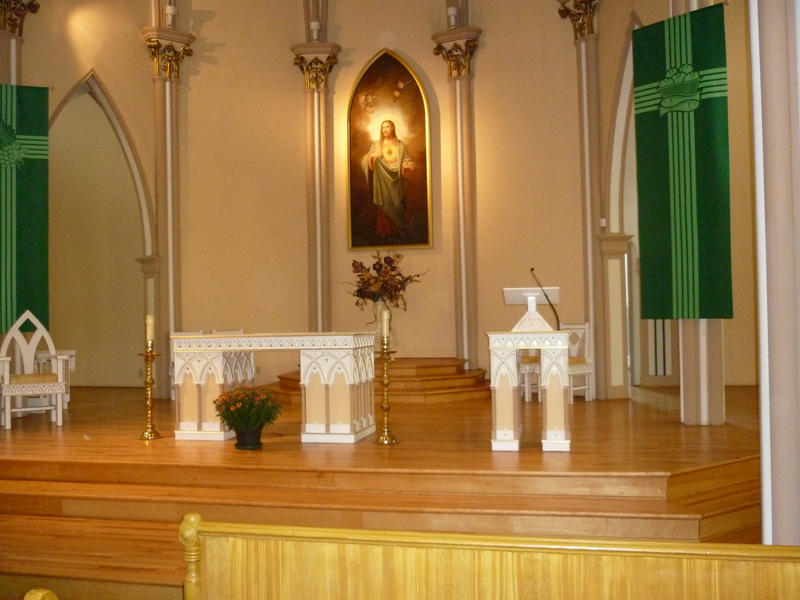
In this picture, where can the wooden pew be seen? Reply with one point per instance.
(241, 561)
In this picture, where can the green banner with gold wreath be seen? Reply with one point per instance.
(681, 112)
(23, 203)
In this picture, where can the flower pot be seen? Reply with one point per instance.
(248, 439)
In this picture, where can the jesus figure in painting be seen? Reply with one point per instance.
(390, 165)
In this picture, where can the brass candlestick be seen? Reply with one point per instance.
(150, 432)
(385, 437)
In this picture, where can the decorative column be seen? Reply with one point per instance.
(316, 57)
(167, 47)
(775, 60)
(702, 359)
(456, 46)
(12, 18)
(597, 296)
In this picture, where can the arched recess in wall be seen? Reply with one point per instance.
(651, 351)
(100, 224)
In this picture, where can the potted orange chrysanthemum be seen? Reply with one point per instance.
(246, 411)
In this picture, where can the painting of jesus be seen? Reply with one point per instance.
(389, 158)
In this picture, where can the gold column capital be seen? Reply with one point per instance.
(456, 47)
(167, 50)
(581, 15)
(613, 243)
(13, 13)
(315, 61)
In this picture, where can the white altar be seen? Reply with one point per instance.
(336, 376)
(531, 332)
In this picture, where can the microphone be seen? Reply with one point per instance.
(546, 297)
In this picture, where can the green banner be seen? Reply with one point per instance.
(681, 108)
(23, 204)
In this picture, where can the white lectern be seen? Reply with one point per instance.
(532, 331)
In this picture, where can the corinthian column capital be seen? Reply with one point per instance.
(581, 15)
(456, 47)
(315, 61)
(167, 50)
(13, 13)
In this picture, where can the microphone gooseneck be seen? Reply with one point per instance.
(546, 297)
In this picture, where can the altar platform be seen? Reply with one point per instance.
(92, 501)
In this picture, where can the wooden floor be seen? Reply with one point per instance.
(91, 500)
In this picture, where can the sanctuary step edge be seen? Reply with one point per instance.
(67, 517)
(413, 380)
(104, 534)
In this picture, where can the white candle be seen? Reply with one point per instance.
(171, 13)
(452, 12)
(314, 26)
(386, 321)
(148, 321)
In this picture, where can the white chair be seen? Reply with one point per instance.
(43, 366)
(26, 382)
(580, 365)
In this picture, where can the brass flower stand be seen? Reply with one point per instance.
(150, 432)
(386, 437)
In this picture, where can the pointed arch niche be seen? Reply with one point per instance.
(388, 91)
(653, 352)
(100, 226)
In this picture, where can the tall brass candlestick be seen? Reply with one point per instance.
(150, 432)
(385, 437)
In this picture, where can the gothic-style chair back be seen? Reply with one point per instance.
(26, 381)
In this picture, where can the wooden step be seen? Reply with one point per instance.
(514, 514)
(412, 380)
(128, 549)
(262, 468)
(580, 504)
(421, 367)
(92, 500)
(116, 530)
(95, 549)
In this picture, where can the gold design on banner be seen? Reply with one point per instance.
(457, 57)
(167, 59)
(13, 12)
(316, 70)
(581, 14)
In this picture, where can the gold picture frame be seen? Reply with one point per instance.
(388, 136)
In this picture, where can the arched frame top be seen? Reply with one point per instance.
(92, 85)
(387, 89)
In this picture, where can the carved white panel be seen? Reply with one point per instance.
(239, 367)
(327, 364)
(520, 340)
(554, 361)
(229, 357)
(503, 347)
(271, 341)
(34, 389)
(503, 364)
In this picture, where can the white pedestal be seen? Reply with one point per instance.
(336, 375)
(553, 381)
